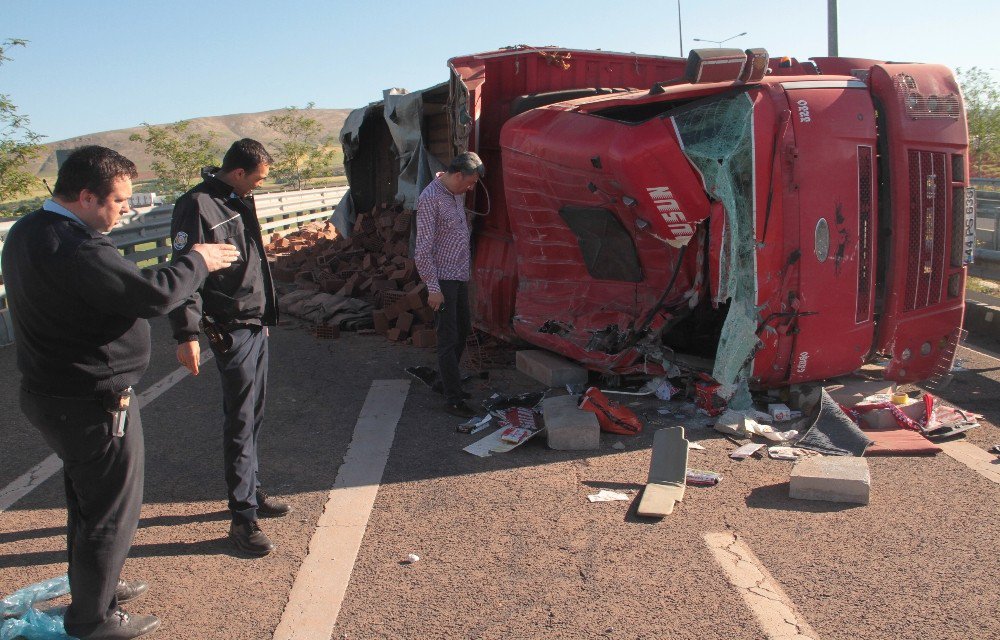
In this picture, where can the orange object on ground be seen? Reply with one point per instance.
(612, 417)
(897, 441)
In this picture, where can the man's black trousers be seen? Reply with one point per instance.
(244, 388)
(104, 481)
(453, 326)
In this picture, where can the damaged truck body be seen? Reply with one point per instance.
(766, 222)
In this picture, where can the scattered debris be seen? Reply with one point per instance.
(410, 559)
(745, 451)
(613, 417)
(789, 453)
(372, 266)
(832, 432)
(20, 618)
(667, 471)
(517, 426)
(474, 425)
(699, 478)
(745, 423)
(695, 446)
(618, 445)
(606, 495)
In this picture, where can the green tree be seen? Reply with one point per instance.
(179, 155)
(18, 143)
(302, 154)
(981, 91)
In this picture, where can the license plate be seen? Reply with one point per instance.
(970, 225)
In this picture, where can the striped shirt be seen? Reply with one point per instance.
(442, 247)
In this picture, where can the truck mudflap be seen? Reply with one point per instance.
(921, 217)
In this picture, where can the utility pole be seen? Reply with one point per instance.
(831, 28)
(680, 30)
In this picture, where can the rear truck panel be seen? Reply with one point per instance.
(922, 270)
(832, 172)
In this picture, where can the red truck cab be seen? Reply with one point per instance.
(767, 222)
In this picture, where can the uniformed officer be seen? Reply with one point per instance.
(79, 311)
(235, 307)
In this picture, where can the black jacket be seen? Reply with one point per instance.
(240, 294)
(78, 306)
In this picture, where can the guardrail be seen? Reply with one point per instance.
(146, 237)
(988, 220)
(987, 183)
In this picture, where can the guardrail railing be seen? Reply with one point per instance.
(146, 238)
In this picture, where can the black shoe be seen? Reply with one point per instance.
(459, 409)
(129, 590)
(248, 538)
(120, 626)
(269, 507)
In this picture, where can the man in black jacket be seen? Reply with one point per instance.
(236, 305)
(79, 310)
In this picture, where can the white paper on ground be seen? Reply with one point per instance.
(606, 495)
(695, 445)
(745, 451)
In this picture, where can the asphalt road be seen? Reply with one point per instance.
(509, 545)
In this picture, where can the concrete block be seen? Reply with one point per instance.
(568, 427)
(550, 369)
(831, 478)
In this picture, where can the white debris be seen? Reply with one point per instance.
(606, 495)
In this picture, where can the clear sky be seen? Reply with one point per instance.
(96, 65)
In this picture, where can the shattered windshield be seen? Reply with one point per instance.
(717, 137)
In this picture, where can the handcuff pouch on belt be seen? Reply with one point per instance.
(116, 403)
(220, 339)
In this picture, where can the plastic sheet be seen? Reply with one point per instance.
(29, 623)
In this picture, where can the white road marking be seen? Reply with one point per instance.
(761, 593)
(982, 462)
(982, 352)
(320, 585)
(49, 466)
(31, 479)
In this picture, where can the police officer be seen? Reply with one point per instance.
(235, 306)
(79, 311)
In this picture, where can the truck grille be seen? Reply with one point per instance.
(928, 229)
(864, 233)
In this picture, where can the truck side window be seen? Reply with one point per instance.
(608, 249)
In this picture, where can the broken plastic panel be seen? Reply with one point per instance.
(718, 140)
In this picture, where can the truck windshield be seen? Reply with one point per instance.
(717, 137)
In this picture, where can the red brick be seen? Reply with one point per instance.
(425, 338)
(380, 322)
(405, 321)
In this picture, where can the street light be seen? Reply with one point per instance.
(719, 42)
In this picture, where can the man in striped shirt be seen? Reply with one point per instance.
(443, 258)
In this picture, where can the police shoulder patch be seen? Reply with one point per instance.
(180, 240)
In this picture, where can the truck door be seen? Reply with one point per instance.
(833, 174)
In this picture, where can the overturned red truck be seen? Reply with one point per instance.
(766, 221)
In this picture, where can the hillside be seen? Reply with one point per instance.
(227, 129)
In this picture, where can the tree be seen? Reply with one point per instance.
(18, 143)
(981, 91)
(179, 155)
(302, 155)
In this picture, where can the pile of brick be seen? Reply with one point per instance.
(372, 265)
